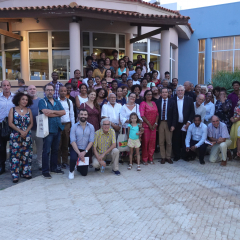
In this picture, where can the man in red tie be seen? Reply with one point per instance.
(167, 122)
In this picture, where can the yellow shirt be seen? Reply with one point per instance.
(97, 72)
(103, 141)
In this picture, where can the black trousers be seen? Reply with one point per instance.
(3, 146)
(73, 160)
(178, 142)
(202, 150)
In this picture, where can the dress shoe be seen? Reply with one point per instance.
(163, 161)
(176, 159)
(202, 162)
(169, 160)
(223, 163)
(2, 170)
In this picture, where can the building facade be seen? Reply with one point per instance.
(59, 37)
(214, 46)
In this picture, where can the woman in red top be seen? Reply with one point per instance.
(149, 113)
(77, 75)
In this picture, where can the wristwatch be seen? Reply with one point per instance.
(86, 151)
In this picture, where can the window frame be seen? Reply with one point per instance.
(50, 55)
(204, 60)
(148, 53)
(91, 47)
(3, 52)
(226, 50)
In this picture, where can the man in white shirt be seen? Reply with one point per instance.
(111, 110)
(199, 108)
(5, 105)
(196, 137)
(67, 120)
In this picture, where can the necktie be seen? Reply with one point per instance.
(164, 109)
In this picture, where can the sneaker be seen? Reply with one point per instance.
(47, 175)
(71, 175)
(116, 173)
(97, 169)
(57, 171)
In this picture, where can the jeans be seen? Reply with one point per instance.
(50, 143)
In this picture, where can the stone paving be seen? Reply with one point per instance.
(179, 201)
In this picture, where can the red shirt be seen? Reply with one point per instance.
(79, 82)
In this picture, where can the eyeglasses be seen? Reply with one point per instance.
(49, 90)
(106, 124)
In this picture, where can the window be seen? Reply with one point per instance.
(48, 52)
(201, 61)
(10, 63)
(225, 54)
(172, 62)
(149, 49)
(102, 42)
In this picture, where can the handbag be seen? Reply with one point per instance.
(122, 142)
(6, 130)
(42, 125)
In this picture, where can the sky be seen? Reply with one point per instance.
(186, 4)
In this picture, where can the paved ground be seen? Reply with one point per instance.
(179, 201)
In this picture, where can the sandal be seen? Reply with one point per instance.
(145, 163)
(151, 162)
(129, 167)
(138, 168)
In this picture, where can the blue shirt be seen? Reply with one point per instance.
(54, 123)
(34, 109)
(133, 131)
(82, 137)
(197, 134)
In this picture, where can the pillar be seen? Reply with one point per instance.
(24, 57)
(165, 53)
(74, 39)
(208, 60)
(129, 46)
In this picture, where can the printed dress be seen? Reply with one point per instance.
(20, 148)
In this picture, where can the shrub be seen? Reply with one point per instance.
(225, 79)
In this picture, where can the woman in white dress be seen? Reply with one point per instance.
(82, 97)
(129, 108)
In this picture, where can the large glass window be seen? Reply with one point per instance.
(46, 57)
(102, 42)
(39, 69)
(225, 54)
(149, 49)
(13, 65)
(201, 61)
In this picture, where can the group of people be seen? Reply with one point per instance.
(86, 116)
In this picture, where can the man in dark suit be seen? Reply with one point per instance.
(188, 91)
(167, 123)
(185, 115)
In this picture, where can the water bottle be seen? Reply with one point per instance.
(102, 169)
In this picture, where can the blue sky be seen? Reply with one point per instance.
(186, 4)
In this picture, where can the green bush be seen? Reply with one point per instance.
(225, 79)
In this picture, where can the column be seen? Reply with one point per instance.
(129, 46)
(74, 39)
(208, 60)
(165, 53)
(24, 57)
